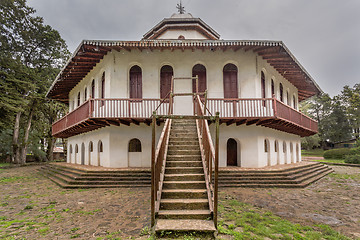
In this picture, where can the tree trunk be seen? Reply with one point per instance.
(15, 158)
(50, 149)
(26, 137)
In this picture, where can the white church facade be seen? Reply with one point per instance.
(113, 87)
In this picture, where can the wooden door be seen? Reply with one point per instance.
(200, 71)
(135, 82)
(166, 74)
(230, 81)
(231, 152)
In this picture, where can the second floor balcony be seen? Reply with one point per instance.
(267, 112)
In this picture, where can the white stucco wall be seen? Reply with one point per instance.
(115, 141)
(116, 66)
(250, 140)
(174, 34)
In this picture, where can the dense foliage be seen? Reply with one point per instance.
(30, 57)
(338, 117)
(338, 153)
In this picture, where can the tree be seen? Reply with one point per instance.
(31, 56)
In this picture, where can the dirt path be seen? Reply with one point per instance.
(31, 206)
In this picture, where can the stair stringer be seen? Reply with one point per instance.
(162, 174)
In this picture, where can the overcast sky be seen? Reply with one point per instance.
(324, 35)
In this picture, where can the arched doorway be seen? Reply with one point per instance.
(232, 152)
(136, 82)
(230, 79)
(82, 154)
(285, 152)
(291, 153)
(297, 153)
(100, 151)
(76, 153)
(166, 74)
(277, 152)
(200, 71)
(267, 151)
(91, 149)
(134, 153)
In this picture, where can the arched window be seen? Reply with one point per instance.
(71, 150)
(85, 94)
(91, 147)
(181, 37)
(263, 95)
(76, 148)
(100, 146)
(288, 98)
(284, 147)
(291, 147)
(272, 88)
(230, 80)
(266, 145)
(135, 82)
(281, 93)
(102, 95)
(134, 145)
(166, 74)
(294, 101)
(276, 146)
(78, 99)
(93, 89)
(200, 71)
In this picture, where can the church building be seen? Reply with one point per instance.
(113, 87)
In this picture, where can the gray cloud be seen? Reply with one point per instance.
(323, 35)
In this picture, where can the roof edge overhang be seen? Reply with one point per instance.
(90, 52)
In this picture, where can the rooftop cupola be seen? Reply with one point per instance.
(182, 26)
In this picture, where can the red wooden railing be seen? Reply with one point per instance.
(259, 108)
(210, 154)
(292, 115)
(80, 114)
(111, 108)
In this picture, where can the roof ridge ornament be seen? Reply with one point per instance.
(180, 8)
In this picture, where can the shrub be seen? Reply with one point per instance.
(354, 159)
(338, 153)
(354, 151)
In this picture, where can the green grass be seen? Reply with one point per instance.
(330, 160)
(345, 176)
(312, 153)
(4, 164)
(10, 179)
(244, 221)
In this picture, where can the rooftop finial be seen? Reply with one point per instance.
(180, 8)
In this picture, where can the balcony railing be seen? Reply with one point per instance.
(259, 108)
(141, 110)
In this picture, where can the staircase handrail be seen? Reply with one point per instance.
(158, 161)
(209, 155)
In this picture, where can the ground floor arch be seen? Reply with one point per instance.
(233, 153)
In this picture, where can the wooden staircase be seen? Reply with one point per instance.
(184, 203)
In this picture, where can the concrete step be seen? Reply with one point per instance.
(188, 177)
(184, 204)
(184, 214)
(182, 138)
(175, 142)
(184, 193)
(183, 158)
(183, 170)
(183, 151)
(195, 163)
(186, 225)
(193, 147)
(184, 185)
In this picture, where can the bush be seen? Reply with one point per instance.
(338, 153)
(354, 159)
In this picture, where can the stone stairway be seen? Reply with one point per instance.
(70, 176)
(184, 204)
(298, 176)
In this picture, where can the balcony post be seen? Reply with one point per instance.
(153, 169)
(274, 105)
(216, 167)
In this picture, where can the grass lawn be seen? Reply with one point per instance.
(4, 164)
(330, 160)
(312, 153)
(244, 221)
